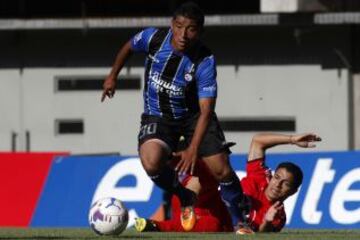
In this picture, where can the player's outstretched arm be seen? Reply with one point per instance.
(261, 142)
(110, 82)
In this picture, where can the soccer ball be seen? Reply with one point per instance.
(108, 216)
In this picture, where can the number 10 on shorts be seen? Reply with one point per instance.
(147, 129)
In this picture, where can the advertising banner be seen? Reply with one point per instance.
(328, 198)
(22, 178)
(75, 182)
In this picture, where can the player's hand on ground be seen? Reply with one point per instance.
(305, 140)
(187, 160)
(108, 88)
(273, 210)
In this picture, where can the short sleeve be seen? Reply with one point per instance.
(279, 221)
(206, 78)
(257, 169)
(250, 187)
(140, 42)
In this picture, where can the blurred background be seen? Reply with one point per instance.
(286, 66)
(283, 65)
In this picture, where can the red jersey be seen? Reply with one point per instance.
(212, 214)
(254, 185)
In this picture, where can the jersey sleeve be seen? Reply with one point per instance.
(206, 78)
(279, 221)
(257, 169)
(140, 42)
(250, 187)
(257, 176)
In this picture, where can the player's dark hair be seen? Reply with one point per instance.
(295, 170)
(190, 10)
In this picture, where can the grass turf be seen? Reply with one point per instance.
(73, 234)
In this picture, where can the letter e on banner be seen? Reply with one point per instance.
(342, 194)
(131, 166)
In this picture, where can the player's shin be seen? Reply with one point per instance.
(167, 180)
(235, 200)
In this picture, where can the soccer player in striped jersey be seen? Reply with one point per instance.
(180, 93)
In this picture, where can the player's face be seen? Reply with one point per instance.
(185, 32)
(281, 185)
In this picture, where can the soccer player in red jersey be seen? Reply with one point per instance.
(211, 213)
(264, 194)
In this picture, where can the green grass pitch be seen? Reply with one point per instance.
(73, 234)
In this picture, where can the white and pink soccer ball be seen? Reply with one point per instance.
(108, 216)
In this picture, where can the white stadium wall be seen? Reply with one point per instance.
(315, 98)
(10, 98)
(356, 119)
(108, 127)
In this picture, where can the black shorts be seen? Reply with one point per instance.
(170, 132)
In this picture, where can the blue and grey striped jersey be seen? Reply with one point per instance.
(174, 81)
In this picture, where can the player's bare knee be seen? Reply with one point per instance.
(151, 165)
(219, 166)
(225, 175)
(152, 157)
